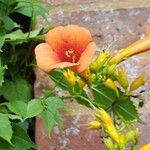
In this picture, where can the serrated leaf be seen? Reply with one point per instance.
(58, 78)
(20, 140)
(125, 109)
(5, 128)
(18, 107)
(17, 90)
(103, 96)
(51, 115)
(34, 108)
(82, 99)
(48, 120)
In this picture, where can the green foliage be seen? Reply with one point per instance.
(5, 128)
(18, 107)
(31, 8)
(34, 108)
(2, 71)
(58, 77)
(103, 96)
(2, 40)
(17, 90)
(50, 115)
(20, 140)
(17, 23)
(125, 109)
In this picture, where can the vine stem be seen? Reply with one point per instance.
(83, 98)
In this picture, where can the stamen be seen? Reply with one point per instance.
(70, 54)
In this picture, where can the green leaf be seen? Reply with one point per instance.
(5, 128)
(2, 40)
(34, 33)
(103, 96)
(9, 24)
(125, 109)
(20, 140)
(51, 115)
(16, 35)
(82, 99)
(17, 90)
(15, 117)
(48, 120)
(34, 108)
(31, 8)
(18, 107)
(58, 78)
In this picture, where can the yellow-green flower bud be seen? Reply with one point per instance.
(137, 83)
(70, 77)
(80, 82)
(100, 61)
(94, 125)
(93, 77)
(122, 139)
(145, 147)
(109, 144)
(111, 85)
(107, 123)
(118, 57)
(121, 77)
(111, 69)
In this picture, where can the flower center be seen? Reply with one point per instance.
(71, 55)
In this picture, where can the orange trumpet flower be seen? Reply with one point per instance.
(69, 46)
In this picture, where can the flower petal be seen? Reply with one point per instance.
(45, 57)
(53, 38)
(77, 37)
(63, 65)
(86, 57)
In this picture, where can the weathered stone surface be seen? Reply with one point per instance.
(109, 26)
(117, 28)
(97, 4)
(73, 136)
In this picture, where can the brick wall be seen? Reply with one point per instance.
(112, 22)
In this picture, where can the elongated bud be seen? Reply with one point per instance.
(145, 147)
(118, 57)
(135, 48)
(80, 82)
(100, 60)
(137, 83)
(111, 85)
(107, 123)
(109, 144)
(110, 69)
(121, 77)
(94, 125)
(103, 116)
(70, 77)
